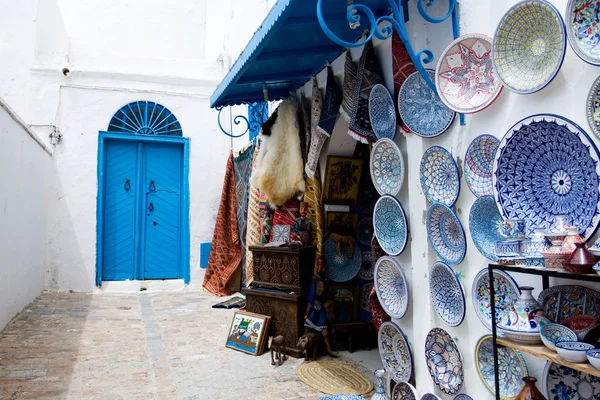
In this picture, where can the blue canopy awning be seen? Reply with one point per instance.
(287, 48)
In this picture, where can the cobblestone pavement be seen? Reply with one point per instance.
(134, 346)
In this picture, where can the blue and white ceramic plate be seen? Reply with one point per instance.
(365, 291)
(529, 46)
(444, 361)
(405, 391)
(507, 293)
(479, 165)
(510, 362)
(430, 396)
(566, 301)
(593, 107)
(445, 234)
(447, 294)
(367, 267)
(391, 287)
(395, 352)
(560, 382)
(364, 231)
(421, 109)
(583, 29)
(439, 176)
(387, 167)
(484, 221)
(342, 397)
(463, 397)
(382, 112)
(546, 165)
(341, 267)
(391, 226)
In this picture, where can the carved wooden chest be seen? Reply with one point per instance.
(283, 268)
(286, 311)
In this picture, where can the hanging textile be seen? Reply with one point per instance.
(317, 136)
(377, 312)
(368, 75)
(348, 90)
(226, 253)
(315, 212)
(331, 104)
(304, 122)
(286, 215)
(402, 64)
(253, 223)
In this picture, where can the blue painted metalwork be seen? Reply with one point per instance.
(145, 118)
(257, 115)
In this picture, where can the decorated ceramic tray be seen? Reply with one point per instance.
(439, 176)
(445, 234)
(367, 266)
(479, 165)
(565, 301)
(364, 231)
(395, 352)
(484, 221)
(546, 165)
(465, 77)
(593, 107)
(382, 112)
(344, 266)
(583, 29)
(446, 293)
(529, 46)
(391, 226)
(444, 361)
(387, 167)
(507, 292)
(560, 382)
(510, 362)
(421, 109)
(405, 391)
(365, 291)
(430, 396)
(463, 397)
(391, 287)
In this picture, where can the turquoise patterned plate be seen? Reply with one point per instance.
(445, 234)
(439, 176)
(387, 167)
(529, 46)
(583, 29)
(391, 227)
(484, 221)
(395, 352)
(446, 293)
(391, 287)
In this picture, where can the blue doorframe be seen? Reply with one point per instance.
(184, 267)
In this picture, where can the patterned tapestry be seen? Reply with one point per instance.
(348, 89)
(253, 223)
(315, 212)
(402, 65)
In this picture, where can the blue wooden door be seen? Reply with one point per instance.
(121, 200)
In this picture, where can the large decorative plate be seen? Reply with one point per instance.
(405, 391)
(421, 109)
(444, 361)
(391, 287)
(583, 29)
(593, 107)
(382, 112)
(395, 352)
(341, 267)
(506, 290)
(465, 77)
(546, 165)
(463, 396)
(391, 226)
(560, 382)
(445, 234)
(367, 268)
(364, 231)
(430, 396)
(565, 301)
(510, 362)
(446, 294)
(387, 167)
(439, 176)
(342, 397)
(479, 165)
(484, 221)
(529, 46)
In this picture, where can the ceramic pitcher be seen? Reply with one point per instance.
(380, 389)
(527, 315)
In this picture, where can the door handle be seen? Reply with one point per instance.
(127, 185)
(152, 187)
(151, 207)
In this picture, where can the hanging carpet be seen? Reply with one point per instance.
(253, 223)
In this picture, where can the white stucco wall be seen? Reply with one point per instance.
(25, 168)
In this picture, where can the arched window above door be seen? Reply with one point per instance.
(145, 118)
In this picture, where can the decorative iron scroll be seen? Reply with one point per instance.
(257, 115)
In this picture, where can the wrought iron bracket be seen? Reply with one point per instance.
(257, 115)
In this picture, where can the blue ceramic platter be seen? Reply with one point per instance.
(341, 267)
(439, 176)
(446, 293)
(479, 165)
(391, 226)
(444, 361)
(546, 165)
(583, 29)
(430, 396)
(554, 333)
(445, 234)
(387, 167)
(593, 107)
(391, 287)
(395, 352)
(382, 112)
(405, 391)
(463, 397)
(564, 301)
(529, 46)
(484, 220)
(560, 382)
(364, 231)
(367, 267)
(512, 368)
(342, 397)
(421, 109)
(507, 293)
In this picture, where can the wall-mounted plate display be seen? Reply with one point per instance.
(391, 226)
(342, 266)
(446, 293)
(395, 352)
(566, 301)
(593, 107)
(391, 287)
(445, 234)
(560, 382)
(387, 167)
(479, 164)
(405, 391)
(367, 267)
(484, 222)
(444, 361)
(583, 29)
(507, 293)
(382, 112)
(439, 176)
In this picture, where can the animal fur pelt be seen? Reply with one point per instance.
(279, 167)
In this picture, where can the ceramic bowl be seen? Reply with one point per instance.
(507, 248)
(580, 324)
(573, 351)
(597, 269)
(521, 337)
(555, 259)
(554, 333)
(593, 357)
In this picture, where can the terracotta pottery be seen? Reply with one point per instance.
(530, 391)
(572, 238)
(581, 325)
(581, 261)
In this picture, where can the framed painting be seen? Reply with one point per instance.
(342, 176)
(342, 223)
(248, 332)
(345, 299)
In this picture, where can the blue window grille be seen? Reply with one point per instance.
(145, 118)
(258, 113)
